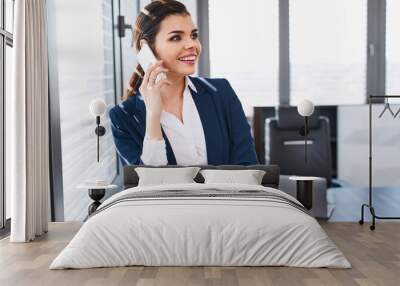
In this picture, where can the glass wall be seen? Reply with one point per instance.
(85, 60)
(8, 74)
(328, 51)
(393, 48)
(6, 44)
(9, 12)
(244, 48)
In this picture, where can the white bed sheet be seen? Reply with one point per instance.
(200, 231)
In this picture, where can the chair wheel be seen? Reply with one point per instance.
(361, 222)
(372, 227)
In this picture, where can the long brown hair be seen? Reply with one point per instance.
(146, 27)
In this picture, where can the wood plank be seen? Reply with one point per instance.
(375, 257)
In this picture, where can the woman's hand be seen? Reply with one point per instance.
(150, 90)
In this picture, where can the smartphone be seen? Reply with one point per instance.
(146, 58)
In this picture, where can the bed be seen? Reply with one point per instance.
(199, 224)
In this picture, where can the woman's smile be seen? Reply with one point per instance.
(188, 59)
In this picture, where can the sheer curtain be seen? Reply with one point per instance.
(27, 138)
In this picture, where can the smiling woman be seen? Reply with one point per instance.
(180, 119)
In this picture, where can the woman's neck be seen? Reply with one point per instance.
(175, 90)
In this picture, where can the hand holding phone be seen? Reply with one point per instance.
(154, 78)
(146, 58)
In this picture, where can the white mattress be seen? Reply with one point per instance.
(200, 231)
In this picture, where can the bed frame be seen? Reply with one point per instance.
(270, 179)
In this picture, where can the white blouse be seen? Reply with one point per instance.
(187, 139)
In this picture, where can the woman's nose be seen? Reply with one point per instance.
(190, 44)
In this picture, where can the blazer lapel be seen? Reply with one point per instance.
(204, 102)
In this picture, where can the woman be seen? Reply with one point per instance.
(181, 119)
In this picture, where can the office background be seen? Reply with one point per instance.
(272, 51)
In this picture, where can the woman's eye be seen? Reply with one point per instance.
(175, 38)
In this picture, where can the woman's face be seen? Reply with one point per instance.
(177, 44)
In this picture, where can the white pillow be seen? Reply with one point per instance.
(164, 176)
(248, 177)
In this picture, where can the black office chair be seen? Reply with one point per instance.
(286, 144)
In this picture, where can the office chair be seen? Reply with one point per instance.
(286, 144)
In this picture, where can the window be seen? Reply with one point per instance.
(328, 51)
(85, 63)
(244, 48)
(9, 19)
(392, 47)
(6, 43)
(8, 70)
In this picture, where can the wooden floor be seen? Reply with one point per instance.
(375, 257)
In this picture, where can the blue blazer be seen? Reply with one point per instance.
(226, 131)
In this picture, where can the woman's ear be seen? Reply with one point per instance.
(142, 42)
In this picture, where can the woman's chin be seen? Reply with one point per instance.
(184, 68)
(185, 72)
(189, 71)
